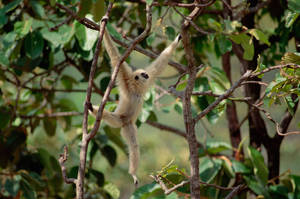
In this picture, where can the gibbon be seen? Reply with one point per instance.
(132, 86)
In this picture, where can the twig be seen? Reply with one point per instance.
(57, 114)
(171, 3)
(192, 23)
(62, 159)
(66, 21)
(166, 190)
(235, 191)
(224, 96)
(170, 129)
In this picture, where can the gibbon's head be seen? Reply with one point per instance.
(140, 79)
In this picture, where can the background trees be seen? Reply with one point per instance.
(46, 61)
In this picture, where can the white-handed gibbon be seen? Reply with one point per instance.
(132, 87)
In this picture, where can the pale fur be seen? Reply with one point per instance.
(131, 96)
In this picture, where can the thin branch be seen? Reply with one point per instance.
(192, 23)
(62, 159)
(66, 21)
(171, 3)
(224, 96)
(167, 190)
(57, 114)
(235, 191)
(170, 129)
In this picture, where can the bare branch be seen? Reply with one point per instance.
(224, 96)
(193, 24)
(166, 190)
(170, 129)
(58, 114)
(62, 159)
(171, 3)
(235, 191)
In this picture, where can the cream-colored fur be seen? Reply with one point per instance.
(132, 87)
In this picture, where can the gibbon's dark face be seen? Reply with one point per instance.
(140, 75)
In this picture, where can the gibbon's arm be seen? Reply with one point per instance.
(125, 71)
(161, 62)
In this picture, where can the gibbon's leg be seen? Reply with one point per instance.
(129, 132)
(112, 119)
(161, 62)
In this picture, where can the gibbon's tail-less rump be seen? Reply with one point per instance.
(132, 87)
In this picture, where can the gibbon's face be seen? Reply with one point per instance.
(140, 76)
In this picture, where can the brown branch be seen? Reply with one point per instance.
(205, 32)
(66, 21)
(57, 114)
(171, 3)
(224, 96)
(62, 159)
(170, 129)
(85, 136)
(235, 191)
(167, 190)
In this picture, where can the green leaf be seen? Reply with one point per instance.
(290, 18)
(12, 5)
(85, 7)
(113, 190)
(260, 169)
(85, 36)
(3, 60)
(214, 147)
(259, 35)
(214, 24)
(145, 191)
(170, 33)
(22, 28)
(12, 186)
(114, 135)
(279, 190)
(224, 44)
(68, 81)
(178, 108)
(50, 126)
(98, 9)
(104, 83)
(294, 5)
(5, 116)
(149, 2)
(209, 168)
(37, 8)
(239, 167)
(289, 58)
(113, 32)
(99, 177)
(34, 45)
(3, 18)
(110, 154)
(27, 190)
(256, 186)
(246, 43)
(33, 179)
(150, 39)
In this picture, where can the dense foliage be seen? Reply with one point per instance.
(46, 55)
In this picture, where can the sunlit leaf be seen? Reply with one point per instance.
(214, 147)
(113, 190)
(259, 35)
(145, 191)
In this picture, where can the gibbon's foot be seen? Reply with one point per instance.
(104, 18)
(135, 181)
